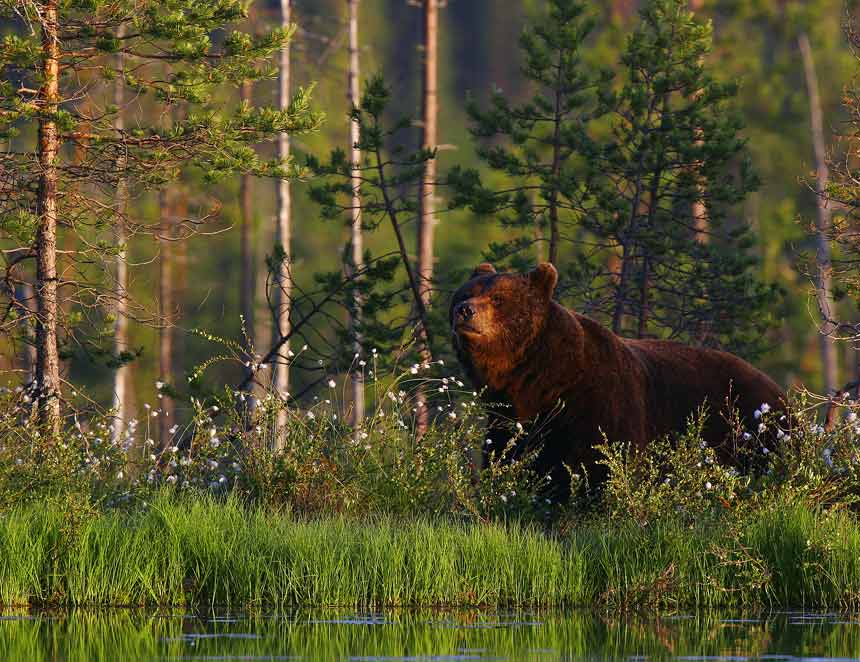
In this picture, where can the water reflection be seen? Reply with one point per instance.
(401, 635)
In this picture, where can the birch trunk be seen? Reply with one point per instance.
(356, 237)
(47, 358)
(283, 237)
(120, 334)
(429, 142)
(165, 311)
(824, 272)
(425, 199)
(246, 287)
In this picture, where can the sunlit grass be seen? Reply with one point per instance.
(204, 552)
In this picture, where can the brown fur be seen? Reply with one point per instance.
(529, 353)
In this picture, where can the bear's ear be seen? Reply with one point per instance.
(544, 278)
(483, 269)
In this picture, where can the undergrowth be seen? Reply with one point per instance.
(239, 510)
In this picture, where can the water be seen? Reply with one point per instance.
(419, 636)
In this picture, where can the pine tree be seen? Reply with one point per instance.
(622, 171)
(675, 143)
(539, 146)
(169, 58)
(387, 170)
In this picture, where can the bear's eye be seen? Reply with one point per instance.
(496, 299)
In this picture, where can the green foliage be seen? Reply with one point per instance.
(681, 479)
(171, 66)
(646, 172)
(388, 173)
(675, 168)
(541, 146)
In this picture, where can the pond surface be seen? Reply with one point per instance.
(438, 635)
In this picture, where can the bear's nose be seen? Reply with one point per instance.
(464, 312)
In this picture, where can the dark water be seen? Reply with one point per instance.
(462, 635)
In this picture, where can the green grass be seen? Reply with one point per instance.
(202, 552)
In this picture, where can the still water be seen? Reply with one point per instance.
(461, 635)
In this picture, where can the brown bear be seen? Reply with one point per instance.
(530, 355)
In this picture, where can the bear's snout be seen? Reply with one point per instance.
(463, 312)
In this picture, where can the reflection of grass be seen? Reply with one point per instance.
(130, 635)
(205, 552)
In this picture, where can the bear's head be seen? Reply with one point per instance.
(495, 316)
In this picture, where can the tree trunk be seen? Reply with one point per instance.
(644, 284)
(120, 336)
(822, 257)
(554, 233)
(246, 286)
(621, 289)
(356, 238)
(165, 313)
(425, 199)
(283, 237)
(47, 358)
(429, 142)
(27, 298)
(700, 210)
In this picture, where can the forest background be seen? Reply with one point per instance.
(755, 43)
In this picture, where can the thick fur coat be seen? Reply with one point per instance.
(530, 355)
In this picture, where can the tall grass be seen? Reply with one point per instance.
(205, 552)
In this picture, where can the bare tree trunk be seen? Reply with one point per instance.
(829, 359)
(554, 232)
(644, 285)
(621, 289)
(356, 237)
(425, 199)
(47, 359)
(120, 334)
(283, 237)
(701, 225)
(246, 287)
(165, 312)
(540, 252)
(429, 141)
(28, 300)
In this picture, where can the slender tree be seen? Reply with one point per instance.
(356, 265)
(429, 141)
(283, 235)
(246, 205)
(47, 357)
(387, 170)
(120, 334)
(426, 200)
(824, 268)
(165, 312)
(539, 146)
